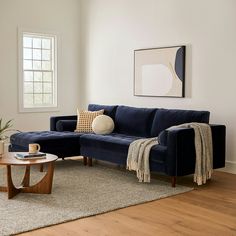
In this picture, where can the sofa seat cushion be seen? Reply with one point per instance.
(114, 141)
(115, 146)
(58, 143)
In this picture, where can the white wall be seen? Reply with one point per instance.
(62, 17)
(112, 29)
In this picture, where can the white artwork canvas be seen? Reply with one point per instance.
(159, 72)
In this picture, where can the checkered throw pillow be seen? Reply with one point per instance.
(85, 120)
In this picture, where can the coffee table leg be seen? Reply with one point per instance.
(41, 168)
(44, 185)
(12, 190)
(3, 189)
(26, 180)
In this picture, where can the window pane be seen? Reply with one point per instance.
(47, 87)
(27, 42)
(38, 99)
(28, 76)
(28, 87)
(38, 88)
(47, 76)
(27, 53)
(47, 99)
(37, 43)
(27, 64)
(46, 43)
(38, 76)
(46, 65)
(37, 54)
(37, 65)
(46, 55)
(28, 100)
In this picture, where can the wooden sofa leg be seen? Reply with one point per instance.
(173, 181)
(85, 160)
(90, 161)
(41, 167)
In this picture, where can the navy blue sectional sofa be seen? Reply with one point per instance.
(174, 156)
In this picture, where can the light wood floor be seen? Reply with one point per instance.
(208, 210)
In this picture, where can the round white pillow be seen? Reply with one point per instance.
(103, 124)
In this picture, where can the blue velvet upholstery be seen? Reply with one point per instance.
(66, 125)
(165, 118)
(106, 147)
(62, 144)
(108, 110)
(54, 119)
(134, 121)
(114, 148)
(218, 139)
(162, 137)
(181, 152)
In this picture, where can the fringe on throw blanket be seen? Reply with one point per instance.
(138, 157)
(204, 150)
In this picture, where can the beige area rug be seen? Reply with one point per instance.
(78, 191)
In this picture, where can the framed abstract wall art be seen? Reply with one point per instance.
(159, 72)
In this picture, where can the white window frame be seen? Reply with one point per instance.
(55, 107)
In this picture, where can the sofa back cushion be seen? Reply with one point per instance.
(165, 118)
(134, 121)
(108, 110)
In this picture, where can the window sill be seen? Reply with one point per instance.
(39, 110)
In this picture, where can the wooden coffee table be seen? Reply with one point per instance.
(44, 186)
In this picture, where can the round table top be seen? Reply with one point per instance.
(10, 159)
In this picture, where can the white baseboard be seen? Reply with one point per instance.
(230, 167)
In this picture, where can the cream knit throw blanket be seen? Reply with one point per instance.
(138, 157)
(204, 150)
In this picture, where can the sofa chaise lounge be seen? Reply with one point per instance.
(174, 156)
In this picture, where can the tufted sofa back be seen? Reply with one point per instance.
(165, 118)
(134, 121)
(108, 110)
(148, 122)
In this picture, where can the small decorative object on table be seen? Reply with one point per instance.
(3, 128)
(34, 148)
(29, 156)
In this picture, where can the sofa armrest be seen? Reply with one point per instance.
(181, 154)
(66, 125)
(55, 119)
(219, 145)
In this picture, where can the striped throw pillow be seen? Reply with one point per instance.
(85, 120)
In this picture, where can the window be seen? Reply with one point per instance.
(38, 75)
